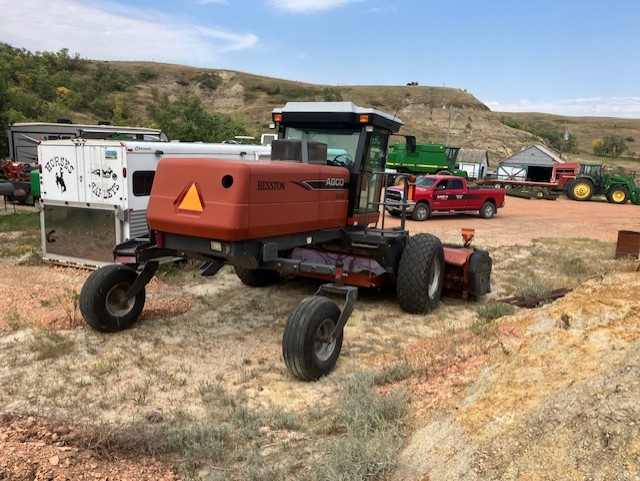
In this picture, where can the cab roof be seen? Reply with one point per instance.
(335, 113)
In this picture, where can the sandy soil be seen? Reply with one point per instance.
(187, 322)
(522, 220)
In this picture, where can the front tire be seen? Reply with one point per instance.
(421, 211)
(101, 299)
(306, 355)
(256, 277)
(421, 274)
(488, 210)
(618, 194)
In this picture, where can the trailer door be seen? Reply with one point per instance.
(62, 167)
(103, 174)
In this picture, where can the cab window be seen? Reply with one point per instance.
(455, 184)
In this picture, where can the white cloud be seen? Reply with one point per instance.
(308, 6)
(111, 32)
(627, 107)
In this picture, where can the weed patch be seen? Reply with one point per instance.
(50, 345)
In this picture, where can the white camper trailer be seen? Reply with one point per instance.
(94, 193)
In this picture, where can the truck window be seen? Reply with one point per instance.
(455, 184)
(142, 182)
(442, 185)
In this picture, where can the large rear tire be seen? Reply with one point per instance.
(582, 189)
(101, 299)
(421, 274)
(306, 355)
(257, 277)
(618, 194)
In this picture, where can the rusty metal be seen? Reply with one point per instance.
(536, 301)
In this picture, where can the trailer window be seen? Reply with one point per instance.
(142, 182)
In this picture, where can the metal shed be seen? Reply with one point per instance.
(474, 162)
(535, 163)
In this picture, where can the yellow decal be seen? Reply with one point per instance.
(192, 200)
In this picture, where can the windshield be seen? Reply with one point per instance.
(341, 143)
(425, 182)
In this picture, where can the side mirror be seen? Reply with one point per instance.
(411, 144)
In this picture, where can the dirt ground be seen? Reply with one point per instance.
(487, 408)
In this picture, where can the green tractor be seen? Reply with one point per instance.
(592, 181)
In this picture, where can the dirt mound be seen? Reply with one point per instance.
(561, 405)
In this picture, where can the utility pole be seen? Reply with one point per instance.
(446, 142)
(565, 136)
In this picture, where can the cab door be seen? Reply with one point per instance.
(370, 180)
(457, 195)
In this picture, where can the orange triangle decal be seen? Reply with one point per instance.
(192, 200)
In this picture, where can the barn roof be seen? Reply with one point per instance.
(472, 156)
(543, 155)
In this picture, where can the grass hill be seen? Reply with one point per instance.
(45, 86)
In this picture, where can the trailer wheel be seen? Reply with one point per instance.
(101, 302)
(421, 211)
(582, 189)
(618, 194)
(307, 356)
(421, 274)
(488, 210)
(257, 277)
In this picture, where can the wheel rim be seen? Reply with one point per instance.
(581, 190)
(434, 277)
(421, 212)
(618, 196)
(488, 211)
(116, 305)
(324, 349)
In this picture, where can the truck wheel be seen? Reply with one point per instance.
(256, 277)
(618, 194)
(488, 210)
(421, 211)
(582, 189)
(101, 302)
(443, 172)
(421, 274)
(400, 180)
(307, 356)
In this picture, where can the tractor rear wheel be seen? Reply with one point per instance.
(101, 299)
(582, 189)
(421, 211)
(307, 351)
(421, 274)
(257, 277)
(618, 194)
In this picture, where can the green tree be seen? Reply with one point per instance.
(186, 119)
(614, 145)
(4, 115)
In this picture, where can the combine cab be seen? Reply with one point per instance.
(313, 210)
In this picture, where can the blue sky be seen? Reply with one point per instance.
(569, 57)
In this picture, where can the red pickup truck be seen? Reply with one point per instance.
(446, 193)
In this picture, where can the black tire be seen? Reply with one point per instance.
(618, 194)
(306, 357)
(100, 302)
(568, 189)
(421, 211)
(582, 190)
(421, 274)
(488, 210)
(443, 172)
(257, 277)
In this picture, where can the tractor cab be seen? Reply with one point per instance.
(356, 139)
(591, 170)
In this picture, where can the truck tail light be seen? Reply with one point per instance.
(159, 239)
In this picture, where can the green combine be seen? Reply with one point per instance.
(591, 181)
(421, 159)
